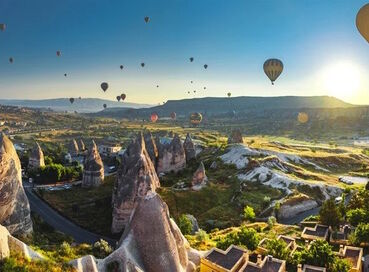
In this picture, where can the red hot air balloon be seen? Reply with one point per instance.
(154, 117)
(173, 115)
(123, 96)
(104, 86)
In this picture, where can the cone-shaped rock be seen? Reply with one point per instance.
(199, 178)
(151, 147)
(235, 137)
(172, 157)
(14, 206)
(189, 148)
(93, 168)
(136, 177)
(36, 158)
(81, 145)
(73, 148)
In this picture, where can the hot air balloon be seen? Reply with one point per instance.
(194, 91)
(204, 88)
(58, 53)
(104, 86)
(147, 19)
(157, 86)
(65, 75)
(121, 67)
(123, 96)
(229, 94)
(191, 81)
(142, 64)
(11, 60)
(173, 115)
(2, 27)
(195, 118)
(273, 68)
(188, 92)
(302, 117)
(205, 66)
(362, 21)
(71, 100)
(79, 98)
(104, 105)
(154, 117)
(118, 98)
(191, 59)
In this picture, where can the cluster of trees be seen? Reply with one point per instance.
(246, 237)
(54, 172)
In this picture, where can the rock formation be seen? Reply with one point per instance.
(135, 178)
(36, 158)
(93, 168)
(14, 206)
(199, 178)
(195, 224)
(81, 145)
(151, 242)
(151, 147)
(235, 137)
(172, 157)
(295, 205)
(73, 148)
(189, 148)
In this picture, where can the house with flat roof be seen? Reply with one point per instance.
(290, 244)
(319, 232)
(268, 264)
(341, 236)
(354, 255)
(218, 260)
(310, 268)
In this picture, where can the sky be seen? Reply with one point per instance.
(322, 51)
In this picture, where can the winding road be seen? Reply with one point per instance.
(60, 223)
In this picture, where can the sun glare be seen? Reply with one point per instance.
(342, 80)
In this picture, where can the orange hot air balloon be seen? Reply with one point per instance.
(195, 118)
(123, 96)
(154, 117)
(302, 117)
(362, 21)
(173, 115)
(104, 86)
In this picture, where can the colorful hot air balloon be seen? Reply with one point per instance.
(229, 94)
(104, 86)
(118, 98)
(142, 64)
(71, 100)
(58, 53)
(362, 21)
(205, 66)
(273, 68)
(104, 105)
(123, 96)
(302, 117)
(147, 19)
(173, 115)
(154, 117)
(195, 118)
(2, 27)
(11, 60)
(121, 67)
(191, 59)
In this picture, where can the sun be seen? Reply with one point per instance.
(342, 80)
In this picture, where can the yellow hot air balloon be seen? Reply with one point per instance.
(195, 118)
(273, 68)
(362, 22)
(302, 117)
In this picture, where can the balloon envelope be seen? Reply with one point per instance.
(362, 22)
(273, 68)
(205, 66)
(123, 96)
(147, 19)
(2, 27)
(302, 117)
(118, 98)
(173, 115)
(104, 86)
(195, 118)
(104, 106)
(229, 94)
(154, 117)
(11, 60)
(121, 67)
(191, 59)
(142, 64)
(71, 100)
(58, 53)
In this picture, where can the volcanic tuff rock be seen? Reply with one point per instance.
(172, 157)
(235, 137)
(81, 145)
(135, 178)
(189, 148)
(199, 178)
(151, 242)
(93, 168)
(73, 148)
(14, 206)
(151, 147)
(36, 158)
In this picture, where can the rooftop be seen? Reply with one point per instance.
(226, 259)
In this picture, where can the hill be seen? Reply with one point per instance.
(62, 104)
(212, 106)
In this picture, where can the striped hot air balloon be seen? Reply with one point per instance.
(273, 68)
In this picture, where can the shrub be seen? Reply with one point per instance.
(340, 265)
(185, 224)
(248, 213)
(277, 249)
(65, 249)
(271, 221)
(248, 237)
(362, 233)
(356, 216)
(201, 236)
(101, 249)
(319, 254)
(330, 214)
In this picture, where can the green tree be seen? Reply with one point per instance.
(357, 216)
(271, 222)
(248, 213)
(340, 265)
(185, 224)
(362, 233)
(319, 253)
(330, 214)
(201, 236)
(278, 249)
(230, 239)
(248, 237)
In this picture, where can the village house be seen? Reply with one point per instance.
(319, 232)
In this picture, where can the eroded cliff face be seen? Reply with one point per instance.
(151, 148)
(172, 157)
(235, 137)
(199, 178)
(189, 148)
(135, 178)
(14, 206)
(93, 168)
(36, 158)
(73, 148)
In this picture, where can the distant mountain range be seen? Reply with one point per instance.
(84, 105)
(212, 106)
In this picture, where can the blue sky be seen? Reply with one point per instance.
(233, 37)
